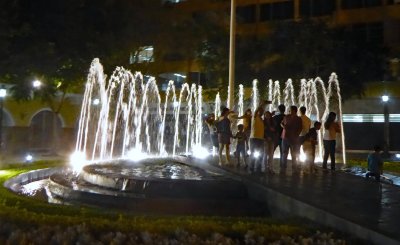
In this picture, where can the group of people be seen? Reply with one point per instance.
(259, 135)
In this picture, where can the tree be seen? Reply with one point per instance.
(302, 49)
(55, 41)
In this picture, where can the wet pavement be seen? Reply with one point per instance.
(365, 202)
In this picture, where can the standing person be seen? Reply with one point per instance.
(257, 139)
(224, 136)
(306, 123)
(212, 128)
(375, 164)
(310, 141)
(269, 133)
(331, 129)
(241, 138)
(278, 118)
(292, 127)
(246, 121)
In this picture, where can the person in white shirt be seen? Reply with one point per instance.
(331, 129)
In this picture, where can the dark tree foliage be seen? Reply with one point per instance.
(304, 49)
(308, 49)
(55, 41)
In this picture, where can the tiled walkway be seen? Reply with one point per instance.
(364, 202)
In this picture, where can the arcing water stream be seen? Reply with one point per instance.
(133, 119)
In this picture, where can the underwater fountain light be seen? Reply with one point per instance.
(256, 154)
(385, 98)
(77, 161)
(303, 157)
(200, 152)
(136, 154)
(96, 101)
(28, 158)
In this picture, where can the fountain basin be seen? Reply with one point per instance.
(155, 186)
(164, 178)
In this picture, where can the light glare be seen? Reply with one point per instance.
(77, 161)
(28, 158)
(200, 152)
(385, 98)
(136, 154)
(37, 84)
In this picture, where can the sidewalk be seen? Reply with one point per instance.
(367, 203)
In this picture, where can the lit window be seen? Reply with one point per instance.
(142, 54)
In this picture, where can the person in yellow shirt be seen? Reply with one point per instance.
(257, 139)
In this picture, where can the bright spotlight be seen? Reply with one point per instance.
(397, 156)
(77, 161)
(257, 154)
(36, 84)
(385, 98)
(28, 158)
(200, 152)
(136, 154)
(96, 101)
(302, 157)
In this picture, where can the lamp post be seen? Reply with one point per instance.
(231, 88)
(3, 93)
(385, 100)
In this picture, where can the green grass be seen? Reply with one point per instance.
(27, 211)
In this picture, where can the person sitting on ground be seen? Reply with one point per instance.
(241, 138)
(310, 141)
(375, 164)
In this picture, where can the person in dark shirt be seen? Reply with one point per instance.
(241, 139)
(292, 126)
(310, 142)
(224, 135)
(278, 128)
(269, 132)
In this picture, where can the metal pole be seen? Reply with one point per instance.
(1, 124)
(386, 130)
(231, 87)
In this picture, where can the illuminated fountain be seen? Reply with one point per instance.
(134, 144)
(314, 94)
(124, 154)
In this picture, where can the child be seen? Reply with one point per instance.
(309, 144)
(241, 138)
(375, 164)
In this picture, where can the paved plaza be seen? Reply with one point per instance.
(372, 205)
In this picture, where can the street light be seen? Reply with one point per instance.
(36, 84)
(3, 93)
(385, 100)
